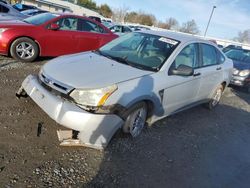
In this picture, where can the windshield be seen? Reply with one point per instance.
(144, 51)
(239, 55)
(40, 18)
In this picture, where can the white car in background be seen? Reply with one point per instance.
(120, 29)
(139, 77)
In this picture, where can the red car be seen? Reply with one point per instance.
(51, 35)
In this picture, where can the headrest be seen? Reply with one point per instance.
(159, 44)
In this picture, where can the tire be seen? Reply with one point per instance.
(215, 98)
(24, 49)
(135, 119)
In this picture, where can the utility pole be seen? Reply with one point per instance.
(209, 20)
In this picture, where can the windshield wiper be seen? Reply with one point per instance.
(136, 65)
(102, 54)
(121, 60)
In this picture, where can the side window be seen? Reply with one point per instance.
(116, 28)
(126, 29)
(220, 57)
(188, 56)
(209, 55)
(68, 24)
(3, 9)
(85, 25)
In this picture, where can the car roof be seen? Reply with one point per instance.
(182, 37)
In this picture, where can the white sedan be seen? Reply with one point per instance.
(140, 77)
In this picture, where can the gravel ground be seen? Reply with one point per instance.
(195, 148)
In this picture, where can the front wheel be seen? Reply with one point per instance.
(135, 119)
(24, 49)
(215, 98)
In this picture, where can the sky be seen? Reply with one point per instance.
(229, 17)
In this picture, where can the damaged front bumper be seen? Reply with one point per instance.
(95, 130)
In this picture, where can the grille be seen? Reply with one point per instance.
(54, 85)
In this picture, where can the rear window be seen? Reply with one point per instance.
(239, 55)
(220, 57)
(209, 55)
(3, 9)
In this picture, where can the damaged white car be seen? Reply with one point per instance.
(140, 77)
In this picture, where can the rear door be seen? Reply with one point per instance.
(90, 36)
(182, 91)
(211, 70)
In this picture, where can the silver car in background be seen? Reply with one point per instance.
(139, 77)
(7, 12)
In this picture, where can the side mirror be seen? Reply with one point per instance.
(54, 26)
(182, 70)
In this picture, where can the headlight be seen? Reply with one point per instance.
(2, 30)
(92, 97)
(244, 73)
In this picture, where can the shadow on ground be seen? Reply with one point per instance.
(195, 148)
(242, 93)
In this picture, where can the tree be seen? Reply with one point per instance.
(172, 23)
(147, 19)
(119, 14)
(243, 37)
(140, 18)
(105, 10)
(87, 4)
(190, 27)
(131, 17)
(162, 25)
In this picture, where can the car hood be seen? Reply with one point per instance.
(9, 21)
(241, 65)
(89, 70)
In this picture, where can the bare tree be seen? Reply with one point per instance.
(243, 36)
(190, 27)
(172, 23)
(162, 25)
(119, 14)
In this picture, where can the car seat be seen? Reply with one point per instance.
(65, 24)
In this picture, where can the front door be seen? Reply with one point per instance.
(61, 41)
(182, 90)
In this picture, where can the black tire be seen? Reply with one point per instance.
(24, 49)
(135, 119)
(215, 98)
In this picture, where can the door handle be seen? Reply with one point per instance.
(218, 68)
(197, 74)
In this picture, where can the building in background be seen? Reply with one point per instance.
(62, 6)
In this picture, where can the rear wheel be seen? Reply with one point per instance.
(215, 98)
(135, 119)
(24, 49)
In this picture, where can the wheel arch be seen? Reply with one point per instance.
(151, 105)
(224, 84)
(17, 37)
